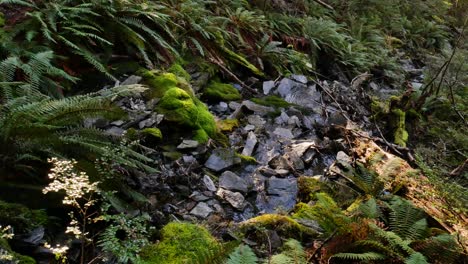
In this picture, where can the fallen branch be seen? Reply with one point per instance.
(324, 4)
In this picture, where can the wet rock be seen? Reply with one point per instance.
(235, 199)
(115, 131)
(209, 184)
(201, 210)
(267, 86)
(250, 144)
(283, 133)
(232, 182)
(188, 144)
(222, 159)
(133, 79)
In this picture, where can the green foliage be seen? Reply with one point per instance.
(360, 256)
(21, 218)
(271, 100)
(124, 237)
(152, 132)
(181, 108)
(217, 91)
(243, 254)
(292, 253)
(180, 243)
(29, 123)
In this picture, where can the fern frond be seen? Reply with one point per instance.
(243, 254)
(360, 256)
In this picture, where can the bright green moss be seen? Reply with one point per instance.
(159, 83)
(179, 71)
(152, 132)
(308, 186)
(286, 225)
(187, 111)
(227, 125)
(217, 91)
(21, 218)
(271, 100)
(400, 134)
(247, 159)
(180, 243)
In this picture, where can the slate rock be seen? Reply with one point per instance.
(133, 79)
(250, 144)
(222, 159)
(232, 182)
(115, 131)
(267, 86)
(201, 210)
(235, 199)
(188, 144)
(279, 186)
(209, 184)
(283, 133)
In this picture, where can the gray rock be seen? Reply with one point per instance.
(294, 121)
(261, 109)
(232, 182)
(133, 79)
(118, 123)
(256, 120)
(250, 144)
(267, 86)
(417, 85)
(283, 133)
(223, 106)
(95, 122)
(285, 86)
(234, 105)
(197, 196)
(249, 127)
(306, 96)
(222, 159)
(235, 199)
(282, 119)
(188, 144)
(154, 119)
(209, 184)
(299, 78)
(201, 210)
(279, 186)
(344, 160)
(301, 147)
(115, 131)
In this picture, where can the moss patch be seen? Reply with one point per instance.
(247, 159)
(217, 91)
(179, 71)
(180, 243)
(271, 100)
(181, 108)
(161, 82)
(286, 225)
(21, 218)
(400, 134)
(153, 133)
(227, 125)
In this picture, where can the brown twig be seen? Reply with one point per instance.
(321, 245)
(324, 4)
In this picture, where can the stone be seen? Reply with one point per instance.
(209, 184)
(249, 127)
(283, 133)
(234, 105)
(267, 86)
(95, 122)
(306, 96)
(299, 78)
(279, 186)
(197, 196)
(250, 144)
(223, 106)
(118, 123)
(235, 199)
(256, 120)
(281, 172)
(282, 119)
(261, 109)
(294, 121)
(149, 122)
(231, 181)
(222, 159)
(115, 131)
(285, 86)
(301, 147)
(344, 160)
(133, 79)
(188, 144)
(201, 210)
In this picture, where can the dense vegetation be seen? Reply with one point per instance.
(56, 57)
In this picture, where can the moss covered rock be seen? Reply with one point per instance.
(161, 82)
(271, 100)
(217, 91)
(180, 243)
(179, 71)
(398, 122)
(21, 218)
(283, 224)
(227, 125)
(152, 132)
(181, 108)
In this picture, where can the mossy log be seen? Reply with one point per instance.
(397, 173)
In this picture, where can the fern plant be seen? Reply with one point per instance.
(243, 254)
(35, 127)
